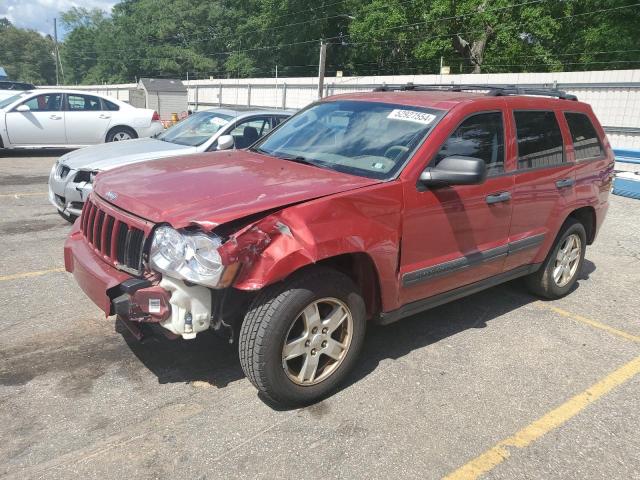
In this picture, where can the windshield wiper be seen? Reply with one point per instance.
(300, 159)
(289, 158)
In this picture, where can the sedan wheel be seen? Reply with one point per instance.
(317, 342)
(118, 137)
(120, 134)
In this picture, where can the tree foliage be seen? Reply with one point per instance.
(26, 55)
(242, 38)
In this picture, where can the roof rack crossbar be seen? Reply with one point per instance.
(493, 90)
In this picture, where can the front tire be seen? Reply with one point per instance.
(560, 270)
(119, 134)
(301, 337)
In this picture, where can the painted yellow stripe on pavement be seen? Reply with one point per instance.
(588, 321)
(18, 195)
(554, 419)
(39, 273)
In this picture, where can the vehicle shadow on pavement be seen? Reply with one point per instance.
(211, 359)
(207, 358)
(418, 331)
(42, 152)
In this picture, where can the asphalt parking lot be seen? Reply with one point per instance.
(498, 386)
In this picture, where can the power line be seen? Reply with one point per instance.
(530, 2)
(315, 41)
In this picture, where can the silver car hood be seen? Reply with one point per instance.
(106, 156)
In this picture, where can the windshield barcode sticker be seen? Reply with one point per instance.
(154, 305)
(412, 116)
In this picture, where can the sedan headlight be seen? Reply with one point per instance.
(188, 256)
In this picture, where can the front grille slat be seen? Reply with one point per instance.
(114, 239)
(134, 250)
(97, 230)
(121, 249)
(106, 236)
(90, 224)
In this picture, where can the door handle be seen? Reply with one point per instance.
(55, 117)
(102, 115)
(498, 197)
(565, 183)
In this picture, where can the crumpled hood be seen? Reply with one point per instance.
(214, 188)
(106, 156)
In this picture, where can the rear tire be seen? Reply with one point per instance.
(301, 337)
(118, 134)
(560, 270)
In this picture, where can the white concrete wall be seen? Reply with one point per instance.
(614, 94)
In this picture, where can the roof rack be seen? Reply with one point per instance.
(493, 90)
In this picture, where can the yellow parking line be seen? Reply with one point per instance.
(18, 195)
(16, 276)
(588, 321)
(554, 419)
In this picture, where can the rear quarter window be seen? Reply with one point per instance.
(109, 106)
(586, 143)
(539, 139)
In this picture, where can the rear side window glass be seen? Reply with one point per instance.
(479, 136)
(83, 102)
(110, 106)
(539, 139)
(586, 143)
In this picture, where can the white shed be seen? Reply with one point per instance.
(165, 96)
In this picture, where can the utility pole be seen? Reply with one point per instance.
(55, 43)
(321, 67)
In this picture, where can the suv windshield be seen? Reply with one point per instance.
(369, 139)
(8, 101)
(196, 129)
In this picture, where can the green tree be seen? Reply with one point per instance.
(242, 38)
(26, 55)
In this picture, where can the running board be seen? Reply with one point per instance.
(385, 318)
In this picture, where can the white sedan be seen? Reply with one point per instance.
(71, 178)
(70, 119)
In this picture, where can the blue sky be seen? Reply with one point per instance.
(39, 14)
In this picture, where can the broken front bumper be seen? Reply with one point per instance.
(182, 310)
(66, 193)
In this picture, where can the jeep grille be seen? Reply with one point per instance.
(113, 238)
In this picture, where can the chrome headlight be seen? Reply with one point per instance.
(188, 256)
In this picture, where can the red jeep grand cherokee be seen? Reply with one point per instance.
(367, 206)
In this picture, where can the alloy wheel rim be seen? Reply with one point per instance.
(317, 342)
(118, 137)
(567, 260)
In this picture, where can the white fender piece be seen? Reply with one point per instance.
(193, 302)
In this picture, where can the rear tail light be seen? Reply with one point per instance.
(155, 117)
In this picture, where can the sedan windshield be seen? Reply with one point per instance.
(196, 129)
(8, 101)
(369, 139)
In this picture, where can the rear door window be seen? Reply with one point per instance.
(539, 139)
(479, 136)
(76, 103)
(586, 143)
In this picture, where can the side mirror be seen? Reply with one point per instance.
(225, 142)
(23, 108)
(456, 170)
